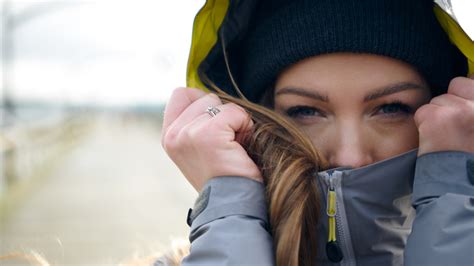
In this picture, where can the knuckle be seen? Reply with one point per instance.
(181, 142)
(177, 140)
(169, 141)
(433, 116)
(439, 99)
(213, 98)
(464, 108)
(433, 120)
(466, 112)
(238, 110)
(421, 113)
(460, 85)
(178, 91)
(441, 115)
(196, 133)
(189, 133)
(233, 106)
(455, 82)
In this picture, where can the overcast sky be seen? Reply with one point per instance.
(111, 51)
(101, 51)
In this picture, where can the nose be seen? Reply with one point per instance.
(351, 148)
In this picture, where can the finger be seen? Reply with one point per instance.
(462, 87)
(234, 117)
(242, 136)
(448, 100)
(232, 121)
(424, 113)
(195, 109)
(179, 100)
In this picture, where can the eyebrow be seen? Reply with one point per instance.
(377, 93)
(302, 92)
(391, 89)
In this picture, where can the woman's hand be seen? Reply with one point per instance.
(203, 146)
(447, 122)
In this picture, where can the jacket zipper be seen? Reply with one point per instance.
(333, 251)
(339, 243)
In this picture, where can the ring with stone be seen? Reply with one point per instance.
(212, 111)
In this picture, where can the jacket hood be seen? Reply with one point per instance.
(373, 211)
(223, 23)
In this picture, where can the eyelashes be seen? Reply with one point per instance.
(391, 109)
(302, 111)
(394, 108)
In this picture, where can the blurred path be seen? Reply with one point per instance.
(115, 196)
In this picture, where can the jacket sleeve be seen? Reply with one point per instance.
(443, 196)
(229, 224)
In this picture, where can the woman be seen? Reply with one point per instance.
(368, 82)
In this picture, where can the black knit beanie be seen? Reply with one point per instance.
(286, 31)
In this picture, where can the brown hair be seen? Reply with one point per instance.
(288, 162)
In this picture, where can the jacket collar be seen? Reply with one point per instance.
(374, 213)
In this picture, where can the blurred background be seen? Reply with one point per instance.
(83, 177)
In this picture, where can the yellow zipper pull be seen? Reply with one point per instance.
(333, 250)
(331, 211)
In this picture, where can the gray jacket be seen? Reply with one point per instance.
(375, 221)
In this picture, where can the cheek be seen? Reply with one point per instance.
(393, 139)
(320, 135)
(377, 140)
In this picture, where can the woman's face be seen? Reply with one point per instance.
(357, 108)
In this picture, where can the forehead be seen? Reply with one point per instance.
(339, 72)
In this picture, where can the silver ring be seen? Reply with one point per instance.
(212, 111)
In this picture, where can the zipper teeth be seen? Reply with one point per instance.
(342, 227)
(341, 222)
(340, 233)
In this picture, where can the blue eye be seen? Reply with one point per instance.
(302, 111)
(395, 108)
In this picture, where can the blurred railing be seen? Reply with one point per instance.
(29, 149)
